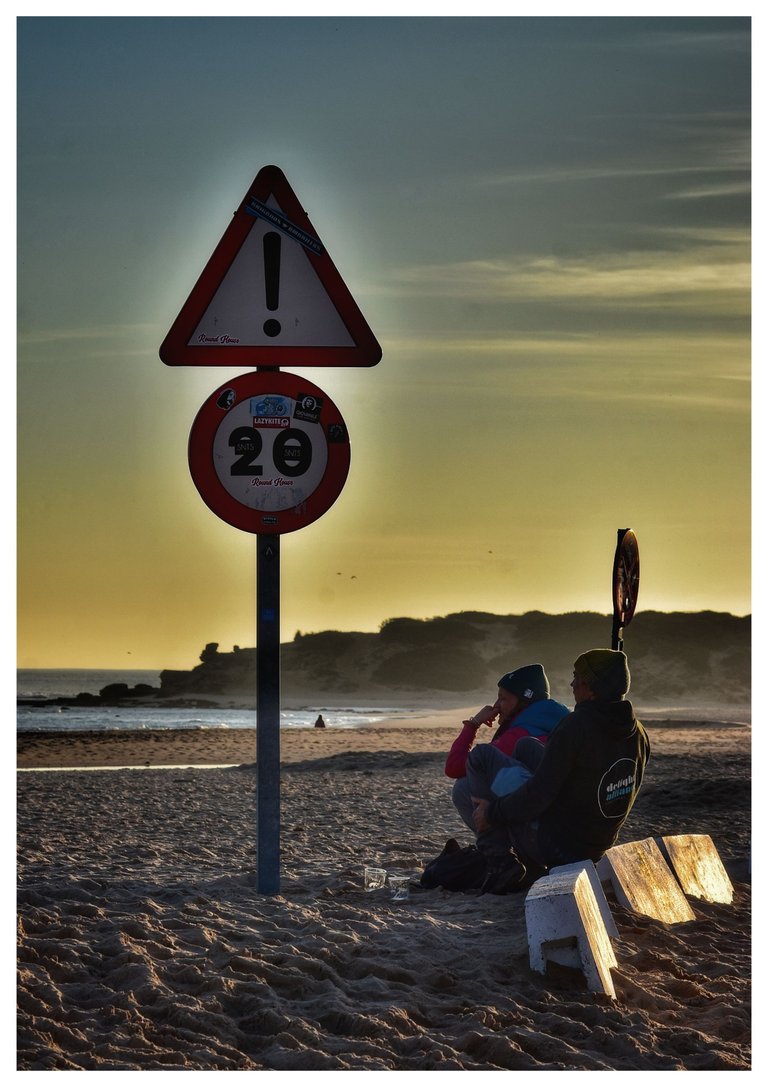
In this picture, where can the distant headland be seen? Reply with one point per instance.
(675, 657)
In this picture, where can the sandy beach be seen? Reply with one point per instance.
(143, 944)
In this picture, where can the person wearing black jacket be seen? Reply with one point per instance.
(585, 780)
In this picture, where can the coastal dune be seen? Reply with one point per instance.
(144, 945)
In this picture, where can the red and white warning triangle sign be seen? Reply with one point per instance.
(270, 294)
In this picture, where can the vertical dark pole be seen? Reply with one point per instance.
(268, 714)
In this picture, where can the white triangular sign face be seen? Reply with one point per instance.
(272, 270)
(270, 294)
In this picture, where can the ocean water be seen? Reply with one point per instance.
(67, 683)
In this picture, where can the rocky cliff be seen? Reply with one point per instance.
(674, 657)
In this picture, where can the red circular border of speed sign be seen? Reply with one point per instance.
(269, 452)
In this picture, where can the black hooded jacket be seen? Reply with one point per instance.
(586, 784)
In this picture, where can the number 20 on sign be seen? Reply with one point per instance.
(269, 452)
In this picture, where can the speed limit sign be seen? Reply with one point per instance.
(269, 452)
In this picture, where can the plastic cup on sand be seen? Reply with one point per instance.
(374, 878)
(399, 886)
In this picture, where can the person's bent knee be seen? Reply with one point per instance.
(476, 757)
(529, 751)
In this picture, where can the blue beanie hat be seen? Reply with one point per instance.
(529, 682)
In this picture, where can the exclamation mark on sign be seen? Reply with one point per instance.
(272, 279)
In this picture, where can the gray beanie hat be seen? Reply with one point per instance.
(605, 672)
(529, 682)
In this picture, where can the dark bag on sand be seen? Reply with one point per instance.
(456, 869)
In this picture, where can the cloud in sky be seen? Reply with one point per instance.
(682, 280)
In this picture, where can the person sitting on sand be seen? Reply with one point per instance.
(584, 781)
(524, 709)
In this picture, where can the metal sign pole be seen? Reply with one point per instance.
(267, 429)
(269, 453)
(268, 714)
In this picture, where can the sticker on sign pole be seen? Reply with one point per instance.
(269, 452)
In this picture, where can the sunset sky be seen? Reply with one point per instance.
(545, 222)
